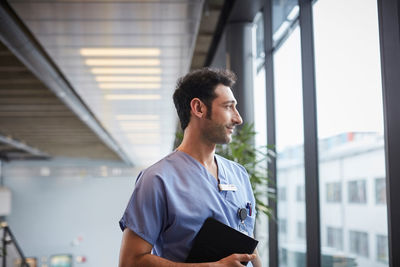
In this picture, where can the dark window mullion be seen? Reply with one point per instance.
(389, 34)
(271, 139)
(310, 136)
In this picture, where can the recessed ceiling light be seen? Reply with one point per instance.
(126, 70)
(133, 97)
(129, 85)
(143, 52)
(127, 117)
(128, 78)
(122, 62)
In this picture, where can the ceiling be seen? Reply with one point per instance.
(29, 111)
(121, 59)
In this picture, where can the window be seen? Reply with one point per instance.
(260, 121)
(334, 238)
(357, 192)
(350, 123)
(259, 39)
(382, 248)
(300, 193)
(282, 193)
(333, 192)
(359, 243)
(380, 191)
(290, 138)
(301, 230)
(282, 226)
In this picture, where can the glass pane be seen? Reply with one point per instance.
(260, 121)
(261, 140)
(350, 134)
(289, 146)
(259, 39)
(284, 14)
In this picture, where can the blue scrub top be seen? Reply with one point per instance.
(174, 197)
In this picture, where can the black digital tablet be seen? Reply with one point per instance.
(215, 241)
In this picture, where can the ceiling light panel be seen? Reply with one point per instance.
(132, 97)
(130, 85)
(139, 126)
(122, 62)
(147, 138)
(166, 52)
(128, 117)
(128, 78)
(118, 52)
(126, 70)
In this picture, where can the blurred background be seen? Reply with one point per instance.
(86, 103)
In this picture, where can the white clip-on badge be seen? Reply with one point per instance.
(227, 187)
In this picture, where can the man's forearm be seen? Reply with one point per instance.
(136, 252)
(150, 260)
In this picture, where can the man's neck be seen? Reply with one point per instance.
(193, 145)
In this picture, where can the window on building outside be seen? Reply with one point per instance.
(300, 193)
(301, 230)
(357, 191)
(282, 226)
(334, 192)
(334, 238)
(282, 193)
(382, 248)
(359, 243)
(380, 191)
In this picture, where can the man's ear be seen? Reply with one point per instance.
(198, 108)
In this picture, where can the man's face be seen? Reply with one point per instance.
(224, 117)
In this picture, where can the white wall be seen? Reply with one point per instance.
(48, 213)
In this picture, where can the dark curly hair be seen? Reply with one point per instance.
(200, 84)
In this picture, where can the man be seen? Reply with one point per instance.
(174, 197)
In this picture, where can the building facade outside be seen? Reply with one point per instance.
(352, 202)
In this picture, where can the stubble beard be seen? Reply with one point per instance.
(217, 133)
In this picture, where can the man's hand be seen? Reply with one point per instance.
(136, 252)
(236, 259)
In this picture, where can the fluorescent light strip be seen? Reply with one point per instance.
(126, 70)
(144, 142)
(143, 52)
(133, 97)
(122, 62)
(128, 117)
(144, 135)
(128, 78)
(135, 126)
(129, 85)
(144, 139)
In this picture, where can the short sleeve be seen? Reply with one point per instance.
(145, 213)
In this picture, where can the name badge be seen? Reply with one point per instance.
(227, 187)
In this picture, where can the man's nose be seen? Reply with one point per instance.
(237, 118)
